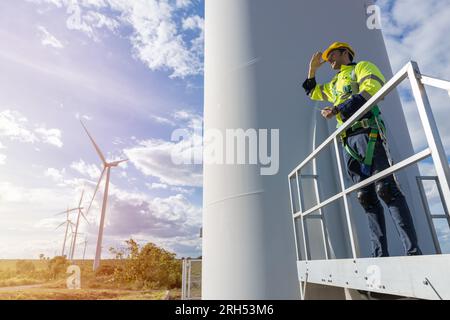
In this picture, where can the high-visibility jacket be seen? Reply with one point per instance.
(363, 78)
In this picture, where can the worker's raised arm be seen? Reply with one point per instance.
(313, 90)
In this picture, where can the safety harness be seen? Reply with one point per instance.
(377, 129)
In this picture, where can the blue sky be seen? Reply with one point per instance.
(133, 72)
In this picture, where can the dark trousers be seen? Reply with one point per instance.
(387, 190)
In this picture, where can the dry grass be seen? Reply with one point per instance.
(81, 294)
(10, 265)
(31, 287)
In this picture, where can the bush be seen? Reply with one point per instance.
(149, 267)
(105, 270)
(57, 266)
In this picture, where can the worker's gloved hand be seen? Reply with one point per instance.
(328, 112)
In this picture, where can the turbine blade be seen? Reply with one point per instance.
(124, 160)
(116, 163)
(99, 152)
(60, 225)
(82, 214)
(60, 213)
(96, 189)
(81, 198)
(66, 211)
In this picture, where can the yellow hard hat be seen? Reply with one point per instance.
(337, 45)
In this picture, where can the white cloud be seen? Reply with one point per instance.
(157, 36)
(50, 136)
(154, 158)
(196, 23)
(172, 162)
(55, 174)
(158, 186)
(162, 120)
(88, 170)
(159, 217)
(47, 39)
(183, 3)
(14, 126)
(2, 159)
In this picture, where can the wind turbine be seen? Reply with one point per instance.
(106, 167)
(67, 223)
(71, 240)
(85, 245)
(80, 213)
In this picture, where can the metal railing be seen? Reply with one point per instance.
(435, 149)
(431, 216)
(190, 281)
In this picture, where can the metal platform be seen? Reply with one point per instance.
(423, 277)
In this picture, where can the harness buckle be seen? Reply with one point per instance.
(365, 123)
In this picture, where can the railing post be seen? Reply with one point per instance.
(428, 215)
(293, 219)
(189, 271)
(302, 223)
(431, 131)
(183, 278)
(323, 225)
(344, 197)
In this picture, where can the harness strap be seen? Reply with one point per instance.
(375, 124)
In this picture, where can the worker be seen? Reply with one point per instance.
(363, 143)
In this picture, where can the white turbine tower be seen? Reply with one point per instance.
(68, 223)
(80, 213)
(106, 167)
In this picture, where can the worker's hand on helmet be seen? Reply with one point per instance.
(316, 61)
(328, 112)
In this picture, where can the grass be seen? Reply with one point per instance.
(81, 294)
(10, 265)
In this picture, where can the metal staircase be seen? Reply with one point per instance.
(423, 277)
